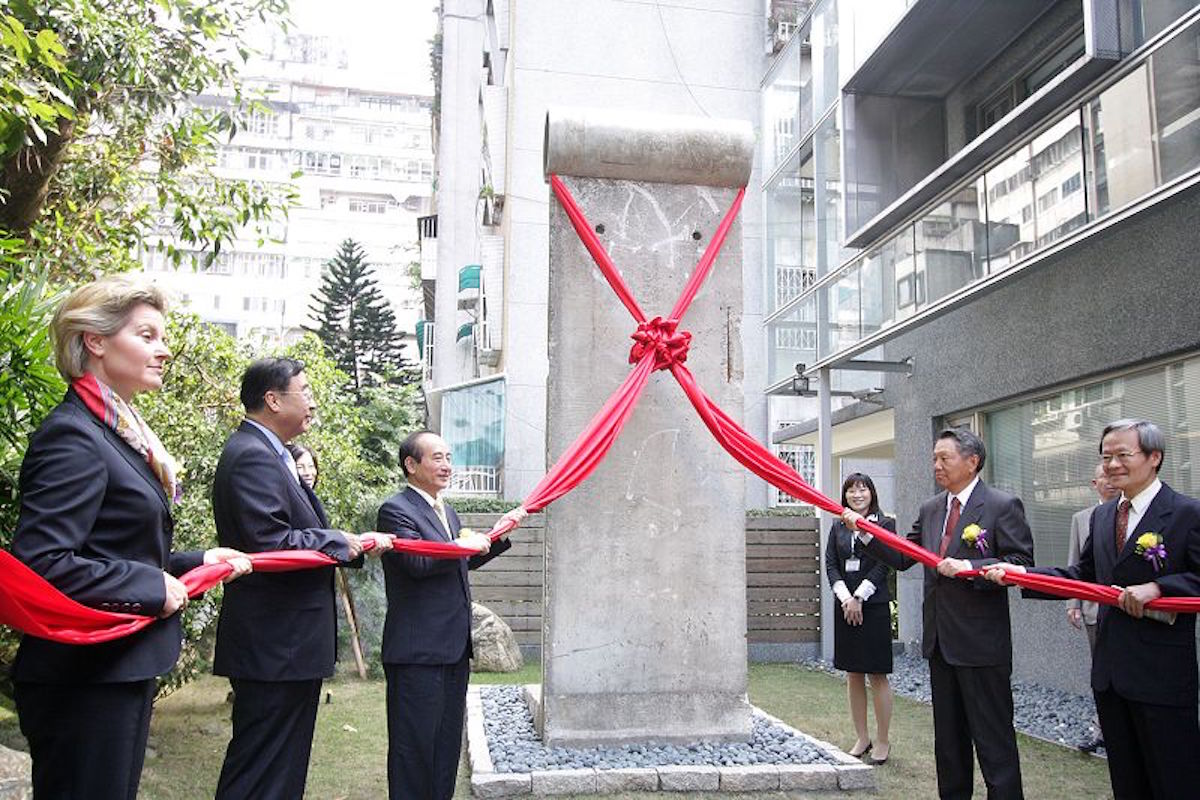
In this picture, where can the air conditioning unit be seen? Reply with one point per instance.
(1073, 420)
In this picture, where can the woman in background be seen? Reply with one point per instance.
(862, 632)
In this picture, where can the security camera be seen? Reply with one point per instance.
(866, 395)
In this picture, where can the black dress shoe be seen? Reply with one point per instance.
(1092, 746)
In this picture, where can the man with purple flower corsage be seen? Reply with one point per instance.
(1144, 671)
(967, 632)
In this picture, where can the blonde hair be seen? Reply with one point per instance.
(102, 307)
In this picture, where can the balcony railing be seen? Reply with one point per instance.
(475, 480)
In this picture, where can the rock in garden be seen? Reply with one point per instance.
(15, 771)
(495, 646)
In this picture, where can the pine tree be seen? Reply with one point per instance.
(356, 324)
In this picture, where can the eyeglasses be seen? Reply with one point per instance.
(307, 394)
(1125, 456)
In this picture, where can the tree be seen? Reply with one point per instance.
(101, 149)
(356, 324)
(98, 142)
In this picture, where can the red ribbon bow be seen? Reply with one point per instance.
(660, 335)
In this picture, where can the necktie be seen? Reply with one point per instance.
(951, 524)
(439, 508)
(1122, 524)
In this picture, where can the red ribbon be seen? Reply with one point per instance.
(660, 337)
(30, 604)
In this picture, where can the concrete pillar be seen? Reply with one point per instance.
(644, 634)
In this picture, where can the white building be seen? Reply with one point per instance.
(361, 160)
(504, 63)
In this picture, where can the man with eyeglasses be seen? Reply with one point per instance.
(1144, 670)
(277, 635)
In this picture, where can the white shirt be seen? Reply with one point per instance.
(963, 497)
(865, 589)
(1139, 503)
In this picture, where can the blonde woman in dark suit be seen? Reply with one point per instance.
(862, 631)
(97, 488)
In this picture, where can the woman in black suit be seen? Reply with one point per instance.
(862, 633)
(96, 490)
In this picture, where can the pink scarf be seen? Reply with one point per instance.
(114, 412)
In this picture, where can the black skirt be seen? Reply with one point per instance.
(867, 647)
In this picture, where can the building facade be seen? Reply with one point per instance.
(360, 157)
(504, 62)
(993, 205)
(967, 214)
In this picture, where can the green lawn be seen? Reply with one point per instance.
(191, 728)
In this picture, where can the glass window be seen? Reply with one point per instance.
(825, 56)
(1143, 19)
(1045, 450)
(1055, 157)
(791, 233)
(843, 298)
(1175, 69)
(880, 287)
(827, 144)
(1121, 155)
(791, 340)
(1010, 204)
(473, 427)
(951, 244)
(781, 108)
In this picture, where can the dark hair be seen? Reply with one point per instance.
(298, 450)
(266, 375)
(410, 448)
(861, 477)
(968, 444)
(1150, 437)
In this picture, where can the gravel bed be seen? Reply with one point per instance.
(515, 747)
(1040, 711)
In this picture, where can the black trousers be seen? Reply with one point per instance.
(1152, 749)
(425, 706)
(88, 742)
(267, 757)
(974, 705)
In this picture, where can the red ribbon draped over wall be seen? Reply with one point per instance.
(30, 604)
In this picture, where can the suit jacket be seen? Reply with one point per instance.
(428, 600)
(273, 626)
(1081, 522)
(1142, 659)
(839, 548)
(96, 523)
(968, 619)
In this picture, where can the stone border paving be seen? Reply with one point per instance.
(848, 773)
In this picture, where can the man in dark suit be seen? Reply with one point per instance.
(427, 633)
(967, 635)
(276, 635)
(1144, 667)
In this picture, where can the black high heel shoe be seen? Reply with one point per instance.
(862, 752)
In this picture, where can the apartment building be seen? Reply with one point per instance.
(360, 156)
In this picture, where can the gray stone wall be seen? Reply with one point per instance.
(645, 599)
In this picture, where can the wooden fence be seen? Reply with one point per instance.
(783, 593)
